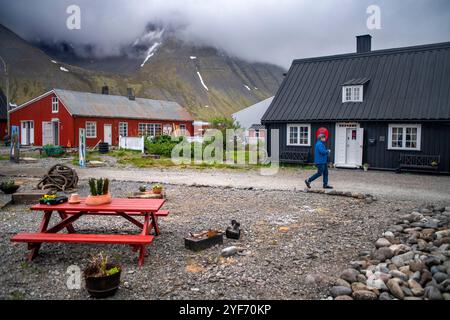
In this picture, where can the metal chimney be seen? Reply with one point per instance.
(364, 43)
(130, 93)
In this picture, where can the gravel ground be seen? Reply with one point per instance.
(383, 184)
(289, 237)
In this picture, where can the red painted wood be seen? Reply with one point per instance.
(41, 111)
(117, 205)
(83, 238)
(132, 220)
(65, 223)
(42, 228)
(155, 224)
(70, 228)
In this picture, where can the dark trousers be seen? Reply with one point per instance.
(322, 170)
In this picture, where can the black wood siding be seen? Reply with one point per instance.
(435, 140)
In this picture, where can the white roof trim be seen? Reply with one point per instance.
(31, 101)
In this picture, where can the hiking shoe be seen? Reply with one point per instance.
(328, 187)
(308, 184)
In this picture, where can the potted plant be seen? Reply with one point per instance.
(102, 278)
(157, 189)
(99, 192)
(9, 187)
(434, 163)
(366, 167)
(143, 188)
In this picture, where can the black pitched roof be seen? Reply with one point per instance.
(410, 83)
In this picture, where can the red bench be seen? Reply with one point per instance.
(149, 209)
(82, 238)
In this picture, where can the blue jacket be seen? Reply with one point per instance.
(320, 153)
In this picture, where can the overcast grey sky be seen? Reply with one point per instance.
(275, 31)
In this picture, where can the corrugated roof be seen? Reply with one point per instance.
(405, 84)
(109, 106)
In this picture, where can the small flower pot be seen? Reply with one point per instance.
(98, 200)
(10, 189)
(102, 287)
(157, 190)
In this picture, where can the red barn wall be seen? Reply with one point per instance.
(41, 111)
(3, 131)
(133, 127)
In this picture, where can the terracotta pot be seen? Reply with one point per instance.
(157, 191)
(98, 200)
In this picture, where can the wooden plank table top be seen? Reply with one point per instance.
(116, 205)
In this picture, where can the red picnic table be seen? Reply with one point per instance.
(130, 209)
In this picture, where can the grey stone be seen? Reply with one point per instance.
(341, 283)
(364, 295)
(340, 291)
(433, 293)
(343, 298)
(385, 296)
(440, 277)
(350, 275)
(407, 291)
(395, 289)
(416, 288)
(376, 283)
(446, 296)
(382, 254)
(403, 259)
(399, 275)
(382, 242)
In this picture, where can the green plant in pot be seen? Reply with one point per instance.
(102, 278)
(99, 189)
(366, 166)
(157, 189)
(9, 187)
(143, 188)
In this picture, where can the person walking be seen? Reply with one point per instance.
(321, 154)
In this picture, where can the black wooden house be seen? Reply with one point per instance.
(387, 108)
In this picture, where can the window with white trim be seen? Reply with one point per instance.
(123, 129)
(352, 94)
(299, 135)
(183, 129)
(405, 137)
(55, 104)
(150, 129)
(91, 129)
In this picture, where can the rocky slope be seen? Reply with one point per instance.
(157, 65)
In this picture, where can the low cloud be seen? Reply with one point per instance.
(274, 31)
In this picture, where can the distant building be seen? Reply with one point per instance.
(250, 119)
(56, 117)
(387, 108)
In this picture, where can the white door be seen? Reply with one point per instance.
(47, 133)
(107, 133)
(352, 147)
(349, 145)
(32, 132)
(27, 133)
(24, 133)
(340, 145)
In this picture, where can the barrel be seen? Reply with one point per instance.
(103, 147)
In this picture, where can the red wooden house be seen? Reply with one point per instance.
(56, 117)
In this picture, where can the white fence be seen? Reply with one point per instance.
(132, 143)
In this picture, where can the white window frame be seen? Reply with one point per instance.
(55, 105)
(87, 131)
(126, 129)
(353, 98)
(404, 127)
(148, 125)
(298, 126)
